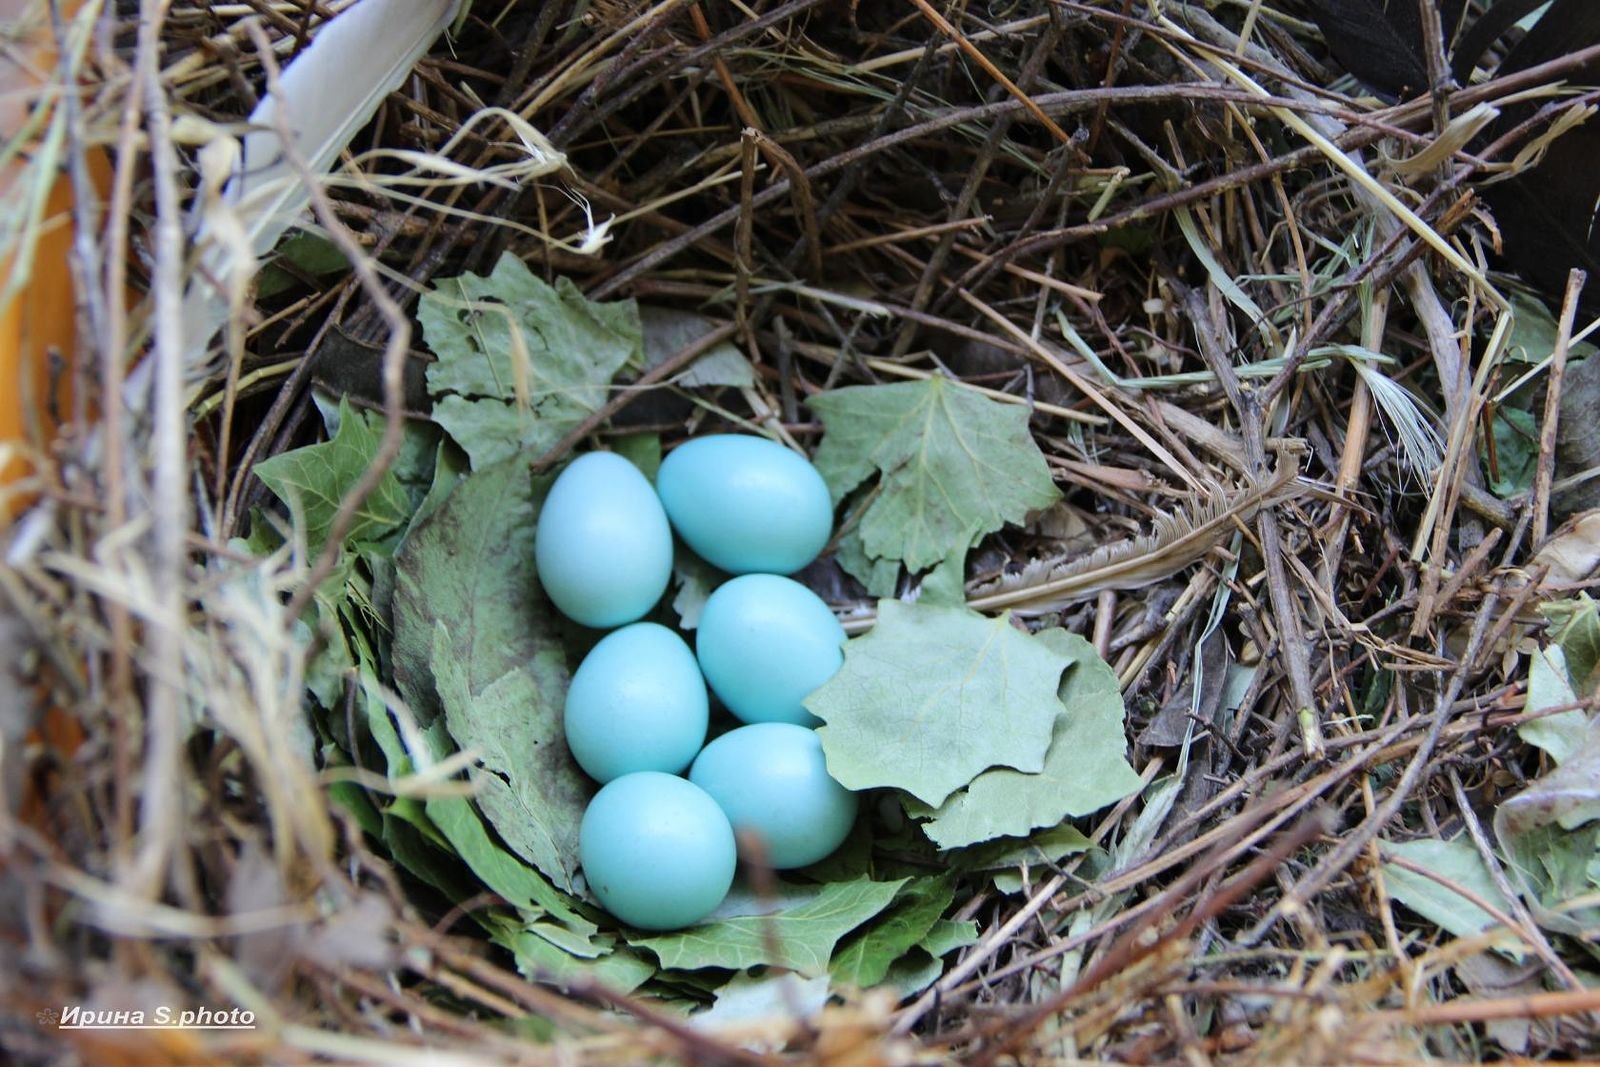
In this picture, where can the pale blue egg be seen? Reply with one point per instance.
(772, 782)
(746, 504)
(603, 546)
(637, 702)
(656, 851)
(765, 642)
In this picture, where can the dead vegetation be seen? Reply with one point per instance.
(1240, 295)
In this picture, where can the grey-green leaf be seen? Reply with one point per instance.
(866, 959)
(1085, 769)
(933, 696)
(952, 463)
(1456, 860)
(1562, 733)
(529, 786)
(470, 564)
(879, 576)
(801, 937)
(491, 399)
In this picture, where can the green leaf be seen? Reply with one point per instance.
(262, 540)
(529, 786)
(1008, 857)
(372, 702)
(801, 937)
(470, 564)
(358, 802)
(914, 973)
(522, 887)
(668, 331)
(414, 464)
(749, 999)
(1575, 626)
(411, 848)
(1533, 333)
(310, 253)
(449, 467)
(723, 364)
(1560, 734)
(946, 584)
(952, 464)
(866, 959)
(947, 935)
(852, 859)
(540, 960)
(931, 697)
(477, 326)
(1549, 833)
(313, 480)
(879, 576)
(1516, 443)
(332, 663)
(1085, 769)
(1457, 860)
(643, 450)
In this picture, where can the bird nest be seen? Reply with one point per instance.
(1309, 385)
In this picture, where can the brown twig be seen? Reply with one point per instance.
(1544, 473)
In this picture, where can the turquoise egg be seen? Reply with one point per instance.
(603, 546)
(772, 782)
(746, 504)
(637, 702)
(656, 851)
(765, 643)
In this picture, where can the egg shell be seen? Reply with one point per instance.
(765, 642)
(637, 702)
(746, 504)
(772, 782)
(657, 851)
(603, 545)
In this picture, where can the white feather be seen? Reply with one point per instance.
(328, 93)
(323, 97)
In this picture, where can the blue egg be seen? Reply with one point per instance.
(765, 643)
(603, 546)
(772, 782)
(637, 702)
(746, 504)
(656, 851)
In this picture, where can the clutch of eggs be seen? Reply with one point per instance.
(658, 851)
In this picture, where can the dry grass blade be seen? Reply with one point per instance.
(1308, 460)
(1180, 539)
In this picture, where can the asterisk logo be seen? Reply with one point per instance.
(48, 1017)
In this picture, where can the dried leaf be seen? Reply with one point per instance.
(1573, 552)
